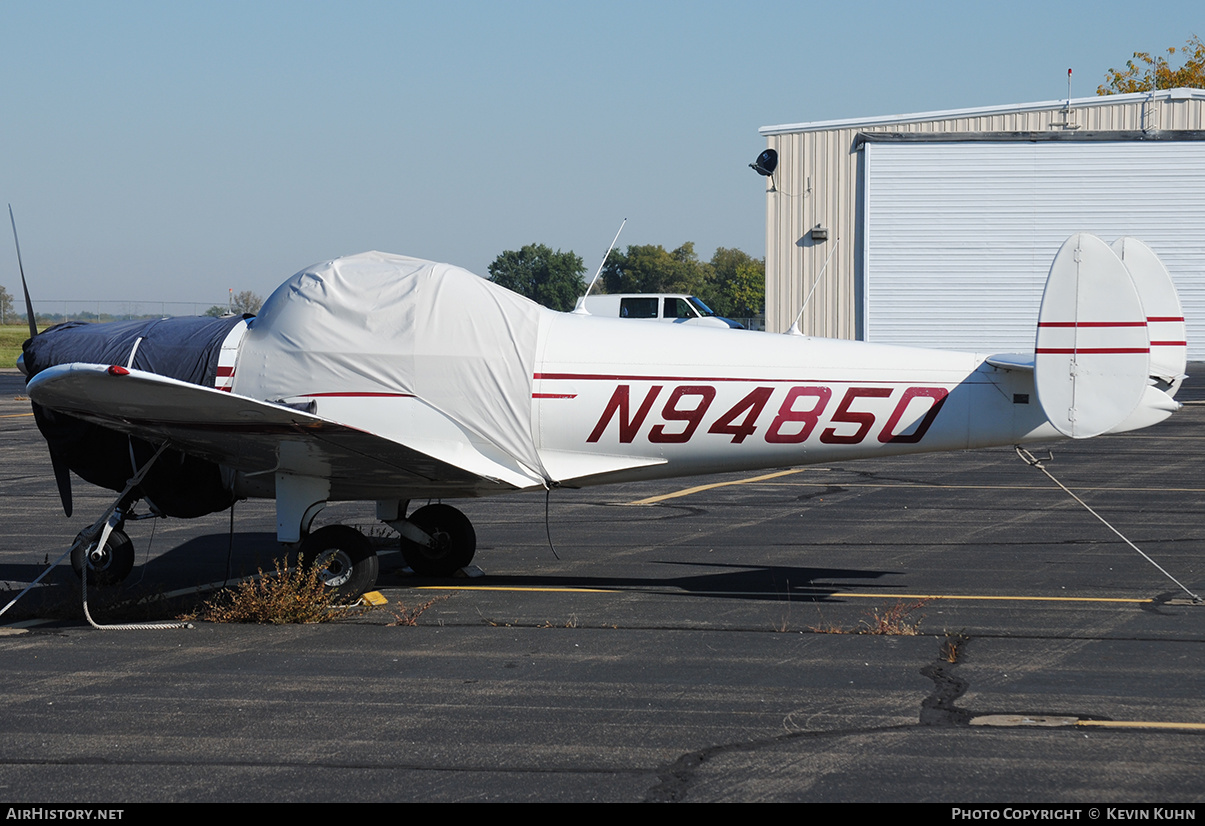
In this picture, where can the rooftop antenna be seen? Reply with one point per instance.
(580, 309)
(1066, 122)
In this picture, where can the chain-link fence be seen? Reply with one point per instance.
(53, 312)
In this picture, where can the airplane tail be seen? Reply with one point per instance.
(1111, 346)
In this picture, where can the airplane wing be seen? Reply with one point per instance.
(253, 436)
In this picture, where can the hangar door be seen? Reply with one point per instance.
(958, 237)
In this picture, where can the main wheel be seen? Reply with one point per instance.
(351, 565)
(109, 565)
(455, 541)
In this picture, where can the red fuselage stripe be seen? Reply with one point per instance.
(1093, 350)
(697, 379)
(357, 395)
(1092, 323)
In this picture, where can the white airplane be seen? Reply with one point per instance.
(382, 378)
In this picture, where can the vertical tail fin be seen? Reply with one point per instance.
(1092, 355)
(1164, 315)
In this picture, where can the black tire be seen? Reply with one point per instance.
(455, 541)
(352, 564)
(111, 566)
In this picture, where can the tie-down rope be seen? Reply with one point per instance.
(1031, 460)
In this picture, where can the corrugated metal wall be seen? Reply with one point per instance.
(959, 237)
(818, 182)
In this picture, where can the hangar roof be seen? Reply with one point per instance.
(1076, 103)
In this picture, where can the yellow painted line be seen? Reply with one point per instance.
(689, 491)
(991, 598)
(15, 415)
(880, 597)
(516, 588)
(700, 488)
(956, 487)
(1140, 724)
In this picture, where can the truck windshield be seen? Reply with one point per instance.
(701, 307)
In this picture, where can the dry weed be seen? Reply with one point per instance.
(409, 616)
(293, 594)
(891, 622)
(951, 647)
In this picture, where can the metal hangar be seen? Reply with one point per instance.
(939, 228)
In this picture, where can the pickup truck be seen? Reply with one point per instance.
(667, 307)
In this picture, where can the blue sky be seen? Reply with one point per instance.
(169, 151)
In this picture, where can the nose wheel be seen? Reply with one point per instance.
(109, 565)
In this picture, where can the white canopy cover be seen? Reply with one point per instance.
(378, 324)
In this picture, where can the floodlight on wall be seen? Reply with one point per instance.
(766, 163)
(819, 233)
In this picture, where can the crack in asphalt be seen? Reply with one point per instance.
(938, 709)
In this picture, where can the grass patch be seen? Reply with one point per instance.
(293, 594)
(12, 336)
(894, 621)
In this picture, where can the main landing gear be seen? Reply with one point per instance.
(443, 543)
(350, 564)
(436, 541)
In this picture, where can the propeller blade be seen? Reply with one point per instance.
(62, 478)
(33, 324)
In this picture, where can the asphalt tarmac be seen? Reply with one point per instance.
(696, 640)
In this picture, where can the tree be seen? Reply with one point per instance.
(1147, 73)
(245, 302)
(648, 268)
(216, 311)
(733, 283)
(553, 279)
(739, 288)
(6, 305)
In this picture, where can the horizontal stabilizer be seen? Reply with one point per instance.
(1012, 361)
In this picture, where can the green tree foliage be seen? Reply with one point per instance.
(1147, 72)
(740, 284)
(216, 311)
(6, 306)
(733, 283)
(553, 279)
(649, 268)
